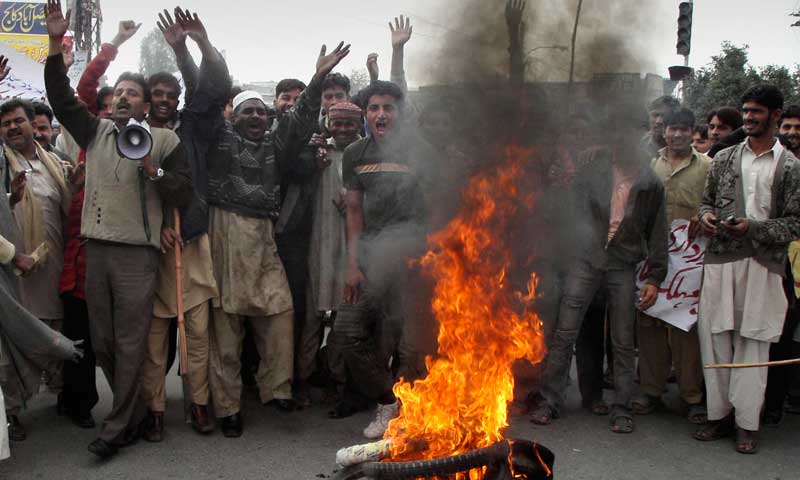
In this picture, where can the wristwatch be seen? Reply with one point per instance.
(159, 174)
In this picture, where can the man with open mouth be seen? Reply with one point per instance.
(246, 166)
(206, 97)
(388, 182)
(121, 219)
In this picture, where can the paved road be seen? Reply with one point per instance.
(302, 445)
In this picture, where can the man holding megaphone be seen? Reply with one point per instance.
(121, 218)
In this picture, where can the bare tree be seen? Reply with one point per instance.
(359, 79)
(155, 54)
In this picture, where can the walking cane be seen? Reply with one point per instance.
(182, 349)
(179, 298)
(777, 363)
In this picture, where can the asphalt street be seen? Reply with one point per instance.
(302, 446)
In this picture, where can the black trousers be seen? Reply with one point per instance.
(590, 350)
(779, 379)
(79, 394)
(293, 251)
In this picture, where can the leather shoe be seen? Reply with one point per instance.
(103, 449)
(232, 426)
(201, 420)
(154, 429)
(83, 421)
(285, 405)
(342, 410)
(16, 431)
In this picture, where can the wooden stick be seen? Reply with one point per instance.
(184, 363)
(754, 365)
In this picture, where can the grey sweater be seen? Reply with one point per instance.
(767, 241)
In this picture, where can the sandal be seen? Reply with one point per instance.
(543, 414)
(599, 408)
(621, 422)
(715, 430)
(697, 415)
(644, 404)
(746, 441)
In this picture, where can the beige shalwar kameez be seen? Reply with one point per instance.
(199, 286)
(253, 288)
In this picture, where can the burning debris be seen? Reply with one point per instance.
(456, 416)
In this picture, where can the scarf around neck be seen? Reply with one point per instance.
(33, 223)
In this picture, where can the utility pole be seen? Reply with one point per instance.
(572, 60)
(683, 47)
(88, 20)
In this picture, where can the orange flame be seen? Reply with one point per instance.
(484, 326)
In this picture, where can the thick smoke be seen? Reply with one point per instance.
(472, 117)
(472, 113)
(613, 36)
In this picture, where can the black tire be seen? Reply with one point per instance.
(438, 466)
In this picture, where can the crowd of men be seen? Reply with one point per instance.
(279, 235)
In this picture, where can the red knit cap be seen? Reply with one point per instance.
(345, 110)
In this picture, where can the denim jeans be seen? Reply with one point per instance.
(580, 286)
(590, 351)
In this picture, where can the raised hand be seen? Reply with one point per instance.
(401, 31)
(173, 31)
(57, 23)
(326, 63)
(191, 25)
(514, 10)
(372, 67)
(127, 29)
(4, 68)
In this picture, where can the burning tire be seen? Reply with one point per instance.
(530, 461)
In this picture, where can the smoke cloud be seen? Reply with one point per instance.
(472, 114)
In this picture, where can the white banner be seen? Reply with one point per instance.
(679, 295)
(78, 67)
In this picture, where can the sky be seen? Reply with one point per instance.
(272, 39)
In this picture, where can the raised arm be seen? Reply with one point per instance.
(175, 34)
(514, 11)
(73, 115)
(204, 108)
(4, 68)
(90, 80)
(296, 127)
(372, 67)
(401, 34)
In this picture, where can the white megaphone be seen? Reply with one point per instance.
(134, 142)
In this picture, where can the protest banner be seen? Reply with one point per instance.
(679, 294)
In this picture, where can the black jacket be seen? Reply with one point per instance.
(643, 231)
(207, 94)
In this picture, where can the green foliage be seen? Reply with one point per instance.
(155, 55)
(725, 79)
